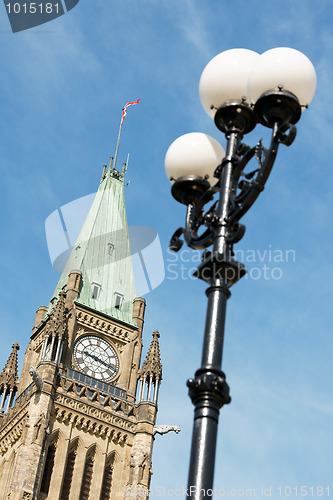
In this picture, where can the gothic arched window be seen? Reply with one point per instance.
(107, 479)
(48, 469)
(68, 477)
(87, 475)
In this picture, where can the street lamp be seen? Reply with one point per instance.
(238, 89)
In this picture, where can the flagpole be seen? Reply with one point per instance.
(121, 126)
(119, 134)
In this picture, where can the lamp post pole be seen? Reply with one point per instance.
(192, 163)
(209, 390)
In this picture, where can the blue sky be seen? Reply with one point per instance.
(63, 86)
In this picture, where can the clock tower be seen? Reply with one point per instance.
(79, 423)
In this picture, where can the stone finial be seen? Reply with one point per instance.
(152, 364)
(9, 377)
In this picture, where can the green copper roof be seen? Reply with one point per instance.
(102, 254)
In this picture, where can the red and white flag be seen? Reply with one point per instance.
(125, 108)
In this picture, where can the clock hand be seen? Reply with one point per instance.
(95, 358)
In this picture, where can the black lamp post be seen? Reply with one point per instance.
(239, 89)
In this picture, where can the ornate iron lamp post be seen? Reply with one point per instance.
(238, 89)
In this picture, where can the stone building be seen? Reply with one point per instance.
(79, 423)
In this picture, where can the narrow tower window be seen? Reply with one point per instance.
(87, 477)
(118, 300)
(110, 248)
(107, 479)
(49, 463)
(68, 474)
(96, 289)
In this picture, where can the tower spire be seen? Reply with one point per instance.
(9, 380)
(57, 322)
(151, 372)
(102, 254)
(152, 364)
(102, 250)
(9, 376)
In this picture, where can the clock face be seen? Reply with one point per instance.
(96, 358)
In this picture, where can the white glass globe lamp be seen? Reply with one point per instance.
(281, 82)
(225, 79)
(190, 163)
(286, 69)
(194, 154)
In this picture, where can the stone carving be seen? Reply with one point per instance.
(36, 378)
(138, 464)
(142, 467)
(40, 426)
(9, 438)
(89, 425)
(109, 328)
(100, 414)
(37, 343)
(164, 429)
